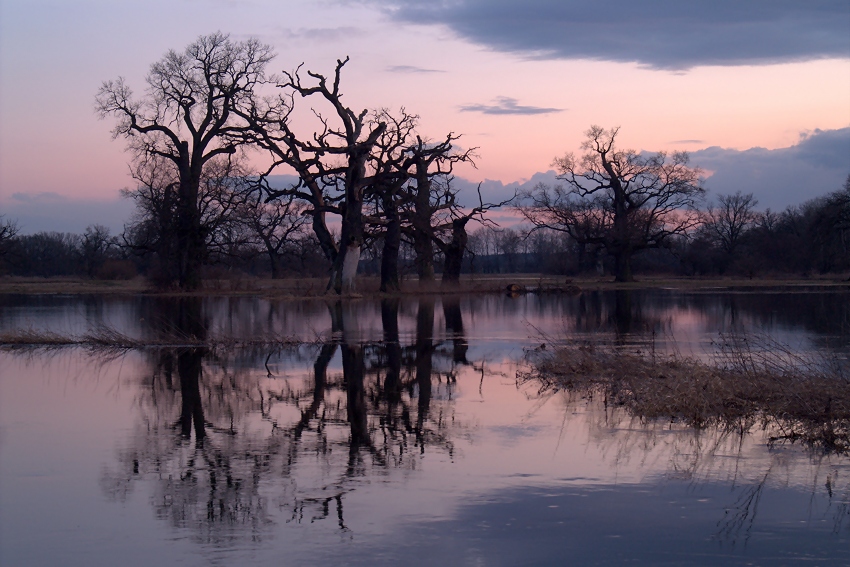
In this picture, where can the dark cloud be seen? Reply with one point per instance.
(817, 165)
(412, 69)
(661, 34)
(507, 105)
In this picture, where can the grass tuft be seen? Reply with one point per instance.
(752, 381)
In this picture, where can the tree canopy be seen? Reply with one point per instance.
(618, 199)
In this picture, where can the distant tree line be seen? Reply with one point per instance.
(275, 240)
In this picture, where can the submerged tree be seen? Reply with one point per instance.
(190, 115)
(413, 197)
(623, 200)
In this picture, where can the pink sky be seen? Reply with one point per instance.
(54, 55)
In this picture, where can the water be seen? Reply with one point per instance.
(396, 433)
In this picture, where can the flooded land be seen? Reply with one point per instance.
(241, 430)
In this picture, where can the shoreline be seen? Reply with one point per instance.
(301, 288)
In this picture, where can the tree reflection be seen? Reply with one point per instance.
(221, 438)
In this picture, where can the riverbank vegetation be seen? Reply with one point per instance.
(748, 383)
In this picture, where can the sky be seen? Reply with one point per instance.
(758, 92)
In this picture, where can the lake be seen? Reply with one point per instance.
(393, 432)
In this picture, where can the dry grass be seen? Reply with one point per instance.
(105, 339)
(752, 381)
(299, 288)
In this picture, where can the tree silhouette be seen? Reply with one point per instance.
(622, 200)
(189, 116)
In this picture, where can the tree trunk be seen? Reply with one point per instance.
(623, 266)
(324, 236)
(392, 242)
(275, 264)
(423, 247)
(351, 235)
(344, 268)
(454, 253)
(274, 258)
(424, 251)
(424, 363)
(392, 381)
(191, 248)
(454, 329)
(191, 411)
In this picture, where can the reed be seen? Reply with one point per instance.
(109, 339)
(749, 382)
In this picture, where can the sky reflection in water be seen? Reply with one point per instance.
(401, 437)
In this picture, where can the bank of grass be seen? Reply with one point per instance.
(751, 382)
(107, 339)
(368, 286)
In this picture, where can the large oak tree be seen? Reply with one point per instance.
(191, 113)
(622, 200)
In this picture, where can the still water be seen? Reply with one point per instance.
(395, 432)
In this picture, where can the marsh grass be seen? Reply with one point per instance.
(751, 382)
(105, 339)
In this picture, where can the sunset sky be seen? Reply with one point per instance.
(757, 91)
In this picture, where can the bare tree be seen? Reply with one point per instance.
(830, 231)
(331, 164)
(453, 245)
(431, 198)
(8, 232)
(620, 199)
(277, 226)
(223, 189)
(96, 246)
(190, 114)
(733, 216)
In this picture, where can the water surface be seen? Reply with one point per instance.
(396, 432)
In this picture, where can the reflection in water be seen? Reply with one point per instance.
(390, 431)
(235, 430)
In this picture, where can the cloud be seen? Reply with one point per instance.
(495, 191)
(815, 166)
(319, 34)
(43, 197)
(411, 69)
(660, 34)
(684, 142)
(507, 105)
(53, 212)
